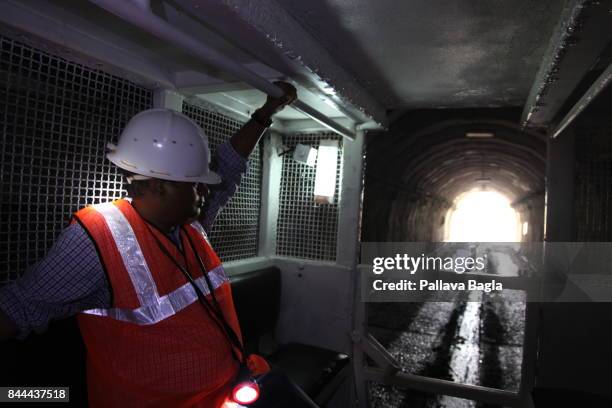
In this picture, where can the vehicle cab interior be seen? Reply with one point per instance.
(448, 126)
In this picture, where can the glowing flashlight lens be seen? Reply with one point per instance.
(246, 393)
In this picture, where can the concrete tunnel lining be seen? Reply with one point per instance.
(422, 170)
(447, 151)
(427, 172)
(521, 181)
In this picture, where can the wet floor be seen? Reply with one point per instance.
(475, 342)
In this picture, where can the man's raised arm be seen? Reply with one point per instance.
(230, 160)
(245, 140)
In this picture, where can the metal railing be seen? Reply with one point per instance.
(387, 369)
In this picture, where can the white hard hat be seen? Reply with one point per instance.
(164, 144)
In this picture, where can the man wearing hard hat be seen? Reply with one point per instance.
(154, 304)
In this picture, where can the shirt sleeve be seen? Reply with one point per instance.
(230, 165)
(68, 280)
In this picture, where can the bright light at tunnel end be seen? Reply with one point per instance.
(483, 216)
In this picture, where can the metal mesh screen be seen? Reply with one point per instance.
(305, 229)
(593, 189)
(55, 120)
(235, 234)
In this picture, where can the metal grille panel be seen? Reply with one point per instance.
(305, 229)
(593, 190)
(235, 234)
(56, 117)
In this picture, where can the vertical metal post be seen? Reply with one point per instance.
(164, 98)
(559, 220)
(270, 193)
(350, 201)
(560, 175)
(358, 337)
(559, 227)
(347, 252)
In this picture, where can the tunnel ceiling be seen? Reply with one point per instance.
(428, 54)
(438, 160)
(371, 60)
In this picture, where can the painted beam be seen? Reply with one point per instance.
(227, 102)
(599, 85)
(263, 26)
(193, 83)
(154, 25)
(216, 107)
(579, 39)
(307, 125)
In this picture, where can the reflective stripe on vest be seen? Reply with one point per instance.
(168, 305)
(131, 253)
(153, 307)
(200, 229)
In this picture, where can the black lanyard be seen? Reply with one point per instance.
(213, 309)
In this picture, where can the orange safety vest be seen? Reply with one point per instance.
(157, 346)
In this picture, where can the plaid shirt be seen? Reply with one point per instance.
(70, 278)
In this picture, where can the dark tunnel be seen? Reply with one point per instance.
(417, 170)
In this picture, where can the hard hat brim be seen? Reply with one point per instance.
(210, 178)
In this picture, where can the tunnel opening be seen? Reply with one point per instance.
(482, 215)
(453, 187)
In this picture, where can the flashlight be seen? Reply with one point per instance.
(245, 392)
